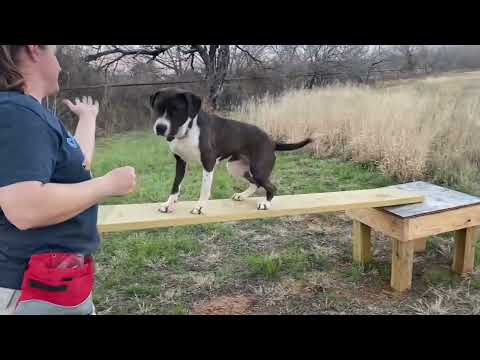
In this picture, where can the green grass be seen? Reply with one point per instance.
(355, 272)
(292, 263)
(266, 265)
(441, 277)
(179, 309)
(475, 284)
(146, 265)
(379, 270)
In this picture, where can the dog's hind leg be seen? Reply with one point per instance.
(261, 170)
(239, 168)
(271, 190)
(245, 194)
(169, 205)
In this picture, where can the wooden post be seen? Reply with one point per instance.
(420, 245)
(402, 264)
(464, 253)
(362, 244)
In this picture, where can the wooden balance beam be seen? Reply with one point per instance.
(114, 218)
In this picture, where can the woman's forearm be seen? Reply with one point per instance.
(32, 204)
(85, 135)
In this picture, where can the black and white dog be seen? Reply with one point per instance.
(195, 136)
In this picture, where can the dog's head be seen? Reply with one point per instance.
(173, 111)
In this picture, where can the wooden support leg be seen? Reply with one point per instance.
(402, 264)
(420, 245)
(464, 253)
(362, 243)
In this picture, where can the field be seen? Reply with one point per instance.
(410, 130)
(301, 265)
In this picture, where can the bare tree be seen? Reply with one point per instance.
(215, 60)
(408, 55)
(246, 57)
(327, 63)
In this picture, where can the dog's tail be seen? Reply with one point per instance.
(294, 146)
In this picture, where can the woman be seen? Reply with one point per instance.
(48, 198)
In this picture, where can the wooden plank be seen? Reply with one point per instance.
(420, 245)
(464, 253)
(443, 222)
(402, 264)
(362, 243)
(379, 221)
(146, 216)
(437, 199)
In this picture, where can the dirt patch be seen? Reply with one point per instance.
(226, 305)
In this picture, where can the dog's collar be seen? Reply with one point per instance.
(190, 124)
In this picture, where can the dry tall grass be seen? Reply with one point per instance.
(421, 129)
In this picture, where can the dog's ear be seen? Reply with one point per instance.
(152, 98)
(194, 104)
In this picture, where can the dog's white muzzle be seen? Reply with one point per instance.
(161, 127)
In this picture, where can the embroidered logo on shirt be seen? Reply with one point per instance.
(71, 141)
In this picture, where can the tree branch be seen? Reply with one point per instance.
(202, 51)
(191, 63)
(249, 54)
(168, 66)
(372, 65)
(118, 58)
(124, 52)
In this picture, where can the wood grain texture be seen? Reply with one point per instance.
(112, 218)
(420, 245)
(464, 253)
(443, 222)
(406, 229)
(362, 243)
(402, 265)
(378, 220)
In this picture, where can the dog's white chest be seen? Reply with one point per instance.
(188, 147)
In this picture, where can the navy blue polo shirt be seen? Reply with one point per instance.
(35, 146)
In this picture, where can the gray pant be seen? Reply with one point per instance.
(9, 298)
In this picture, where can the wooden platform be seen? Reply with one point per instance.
(437, 199)
(409, 226)
(113, 218)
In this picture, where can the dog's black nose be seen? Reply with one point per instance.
(160, 129)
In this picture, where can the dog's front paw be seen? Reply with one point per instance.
(197, 210)
(238, 197)
(167, 208)
(264, 205)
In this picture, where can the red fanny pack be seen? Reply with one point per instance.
(59, 278)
